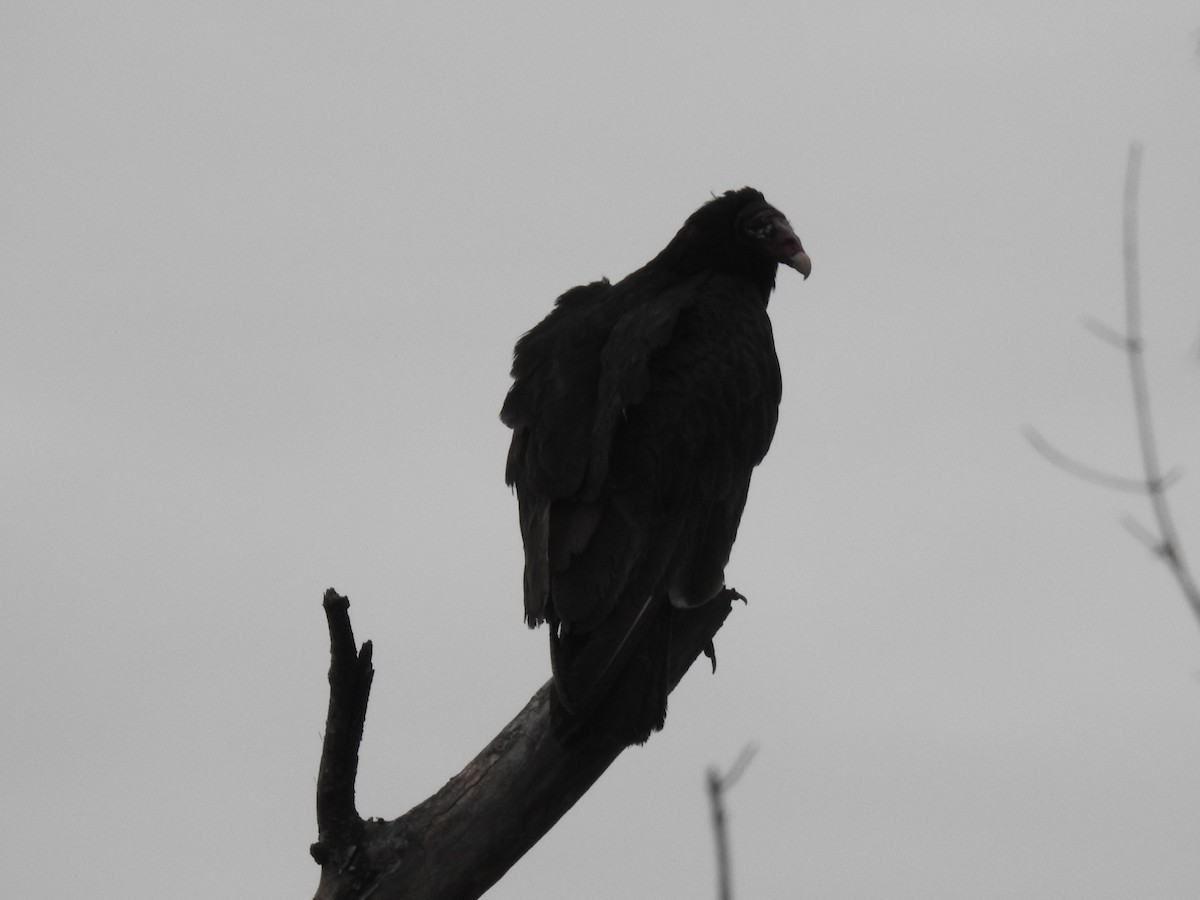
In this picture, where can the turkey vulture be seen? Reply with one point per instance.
(639, 410)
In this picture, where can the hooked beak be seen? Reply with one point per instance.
(788, 248)
(801, 263)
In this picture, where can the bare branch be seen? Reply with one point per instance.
(350, 674)
(717, 786)
(1080, 470)
(1106, 334)
(1144, 535)
(460, 841)
(717, 807)
(1153, 483)
(739, 766)
(1171, 549)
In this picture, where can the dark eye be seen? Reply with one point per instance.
(761, 228)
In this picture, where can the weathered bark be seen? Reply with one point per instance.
(459, 842)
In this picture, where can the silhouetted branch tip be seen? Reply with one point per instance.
(334, 601)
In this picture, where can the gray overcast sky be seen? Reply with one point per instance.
(263, 267)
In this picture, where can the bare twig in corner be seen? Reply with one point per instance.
(1168, 547)
(718, 784)
(1165, 541)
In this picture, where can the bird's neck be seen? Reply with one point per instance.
(686, 257)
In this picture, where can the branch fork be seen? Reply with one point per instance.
(460, 841)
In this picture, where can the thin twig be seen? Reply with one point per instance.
(1108, 335)
(1147, 538)
(739, 766)
(717, 808)
(717, 786)
(1080, 470)
(1155, 486)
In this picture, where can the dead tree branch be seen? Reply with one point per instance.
(718, 784)
(350, 675)
(460, 841)
(1165, 541)
(1169, 547)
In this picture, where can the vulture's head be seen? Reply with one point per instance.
(741, 233)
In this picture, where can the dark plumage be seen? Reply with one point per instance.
(638, 411)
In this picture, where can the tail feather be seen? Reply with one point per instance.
(613, 683)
